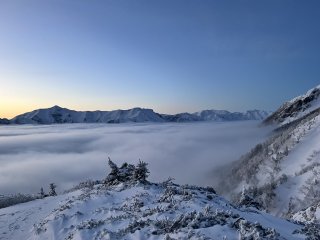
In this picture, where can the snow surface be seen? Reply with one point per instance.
(140, 211)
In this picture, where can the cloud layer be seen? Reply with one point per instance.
(34, 156)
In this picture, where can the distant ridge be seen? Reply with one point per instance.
(4, 121)
(59, 115)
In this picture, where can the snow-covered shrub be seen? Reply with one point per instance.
(167, 182)
(6, 201)
(127, 173)
(247, 201)
(89, 184)
(311, 230)
(254, 231)
(90, 224)
(311, 189)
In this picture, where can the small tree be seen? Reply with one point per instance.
(42, 193)
(114, 167)
(113, 176)
(52, 191)
(141, 172)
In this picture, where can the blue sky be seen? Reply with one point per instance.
(172, 56)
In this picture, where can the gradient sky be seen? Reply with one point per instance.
(172, 56)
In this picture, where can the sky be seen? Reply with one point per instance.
(171, 56)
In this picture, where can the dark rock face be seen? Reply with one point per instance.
(293, 108)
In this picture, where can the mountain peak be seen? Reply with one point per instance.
(56, 107)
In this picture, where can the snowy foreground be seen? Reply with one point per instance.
(140, 212)
(134, 209)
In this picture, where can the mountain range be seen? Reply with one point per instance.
(58, 115)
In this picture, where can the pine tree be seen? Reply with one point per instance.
(114, 167)
(141, 172)
(52, 188)
(113, 176)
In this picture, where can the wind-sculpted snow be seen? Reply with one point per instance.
(136, 210)
(34, 156)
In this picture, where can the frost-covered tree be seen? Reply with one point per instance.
(291, 207)
(113, 166)
(52, 191)
(114, 174)
(123, 174)
(141, 172)
(247, 200)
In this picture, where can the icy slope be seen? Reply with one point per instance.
(296, 108)
(126, 208)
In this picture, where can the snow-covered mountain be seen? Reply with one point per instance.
(123, 207)
(282, 174)
(57, 114)
(181, 117)
(296, 108)
(4, 121)
(222, 115)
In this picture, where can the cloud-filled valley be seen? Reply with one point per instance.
(34, 156)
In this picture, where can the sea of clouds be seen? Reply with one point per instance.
(34, 156)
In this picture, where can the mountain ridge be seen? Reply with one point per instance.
(282, 173)
(296, 108)
(59, 115)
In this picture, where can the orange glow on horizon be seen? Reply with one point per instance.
(13, 109)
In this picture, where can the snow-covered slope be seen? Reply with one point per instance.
(57, 114)
(182, 117)
(132, 209)
(296, 108)
(282, 174)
